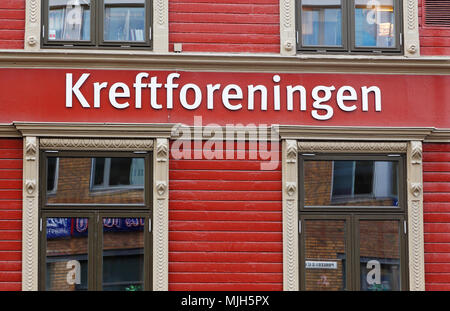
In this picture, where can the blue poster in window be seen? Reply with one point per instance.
(77, 227)
(58, 227)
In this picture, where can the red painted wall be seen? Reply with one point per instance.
(433, 40)
(437, 216)
(12, 24)
(10, 214)
(247, 26)
(225, 229)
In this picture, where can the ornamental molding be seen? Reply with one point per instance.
(291, 151)
(32, 25)
(415, 217)
(162, 150)
(96, 144)
(290, 215)
(416, 245)
(31, 148)
(416, 189)
(30, 186)
(161, 187)
(411, 28)
(353, 147)
(30, 207)
(416, 152)
(287, 27)
(161, 215)
(217, 62)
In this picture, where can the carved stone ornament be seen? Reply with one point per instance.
(161, 187)
(412, 48)
(288, 45)
(369, 147)
(30, 148)
(291, 188)
(416, 152)
(162, 151)
(96, 144)
(416, 189)
(30, 186)
(291, 153)
(31, 40)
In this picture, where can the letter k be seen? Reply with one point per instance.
(75, 89)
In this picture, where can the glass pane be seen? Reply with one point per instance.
(67, 254)
(351, 183)
(123, 254)
(125, 20)
(325, 255)
(97, 180)
(375, 23)
(322, 23)
(69, 20)
(52, 175)
(379, 250)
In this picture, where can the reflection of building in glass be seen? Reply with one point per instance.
(123, 254)
(326, 241)
(351, 183)
(96, 180)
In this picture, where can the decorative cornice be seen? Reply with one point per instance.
(353, 133)
(353, 147)
(218, 62)
(96, 144)
(138, 130)
(94, 130)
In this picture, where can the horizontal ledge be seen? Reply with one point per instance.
(119, 130)
(355, 133)
(168, 130)
(140, 60)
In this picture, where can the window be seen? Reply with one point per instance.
(349, 26)
(116, 173)
(352, 222)
(86, 233)
(103, 23)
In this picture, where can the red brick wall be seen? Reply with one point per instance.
(10, 214)
(12, 24)
(225, 230)
(225, 25)
(437, 216)
(433, 40)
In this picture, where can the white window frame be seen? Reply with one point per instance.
(292, 146)
(410, 33)
(32, 225)
(160, 27)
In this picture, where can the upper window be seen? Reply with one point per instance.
(103, 23)
(349, 26)
(106, 179)
(351, 182)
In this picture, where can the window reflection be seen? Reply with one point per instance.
(98, 180)
(69, 20)
(124, 20)
(379, 256)
(123, 254)
(374, 23)
(67, 254)
(325, 257)
(351, 183)
(322, 23)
